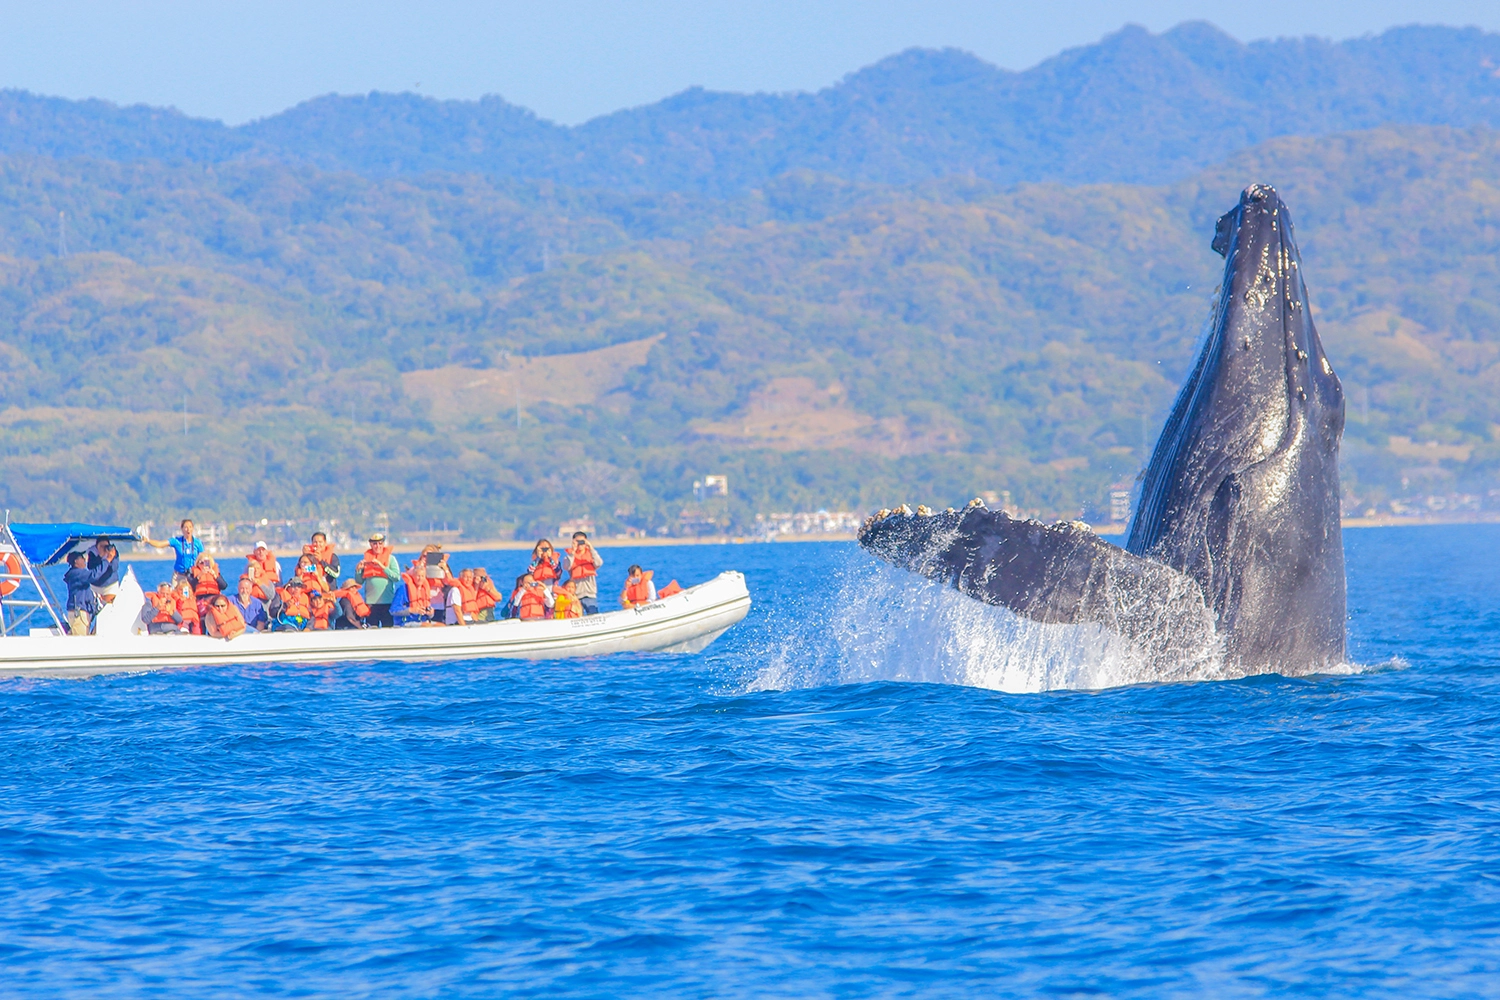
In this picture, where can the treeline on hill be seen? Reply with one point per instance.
(503, 355)
(1135, 107)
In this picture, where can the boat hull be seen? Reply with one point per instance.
(685, 622)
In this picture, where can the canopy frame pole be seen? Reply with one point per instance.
(14, 613)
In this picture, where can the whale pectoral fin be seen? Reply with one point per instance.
(1061, 573)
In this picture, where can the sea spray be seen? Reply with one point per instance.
(882, 623)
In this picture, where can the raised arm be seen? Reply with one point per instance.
(104, 569)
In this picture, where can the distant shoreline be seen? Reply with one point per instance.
(1430, 521)
(510, 544)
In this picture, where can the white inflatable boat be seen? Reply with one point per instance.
(683, 623)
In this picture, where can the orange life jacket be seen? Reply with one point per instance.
(672, 588)
(262, 581)
(265, 566)
(355, 598)
(547, 568)
(205, 581)
(374, 562)
(227, 620)
(294, 602)
(314, 582)
(323, 554)
(320, 610)
(187, 607)
(489, 596)
(581, 563)
(165, 605)
(469, 592)
(418, 600)
(638, 591)
(533, 602)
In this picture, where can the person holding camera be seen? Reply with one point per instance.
(324, 558)
(82, 605)
(100, 554)
(583, 572)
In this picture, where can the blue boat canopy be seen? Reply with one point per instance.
(45, 544)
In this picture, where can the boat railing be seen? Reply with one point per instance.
(22, 608)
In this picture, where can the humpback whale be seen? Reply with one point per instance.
(1234, 542)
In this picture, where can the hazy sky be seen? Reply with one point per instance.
(570, 61)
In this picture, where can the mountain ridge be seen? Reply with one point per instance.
(1135, 107)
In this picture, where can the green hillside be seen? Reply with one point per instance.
(344, 346)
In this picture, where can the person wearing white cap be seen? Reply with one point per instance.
(263, 571)
(379, 573)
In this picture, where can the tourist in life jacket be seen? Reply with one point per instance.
(224, 620)
(489, 596)
(546, 565)
(352, 609)
(187, 606)
(414, 605)
(532, 600)
(263, 571)
(583, 571)
(456, 596)
(468, 601)
(565, 602)
(638, 588)
(186, 547)
(160, 614)
(291, 611)
(462, 595)
(378, 574)
(313, 580)
(207, 581)
(326, 560)
(321, 610)
(250, 607)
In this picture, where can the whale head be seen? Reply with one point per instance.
(1235, 545)
(1242, 490)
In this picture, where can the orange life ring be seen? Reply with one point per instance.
(12, 567)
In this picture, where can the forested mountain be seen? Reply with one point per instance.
(1134, 108)
(505, 353)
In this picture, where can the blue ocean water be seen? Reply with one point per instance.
(785, 814)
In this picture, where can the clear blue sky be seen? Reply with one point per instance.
(570, 61)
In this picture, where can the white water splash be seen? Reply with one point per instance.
(890, 625)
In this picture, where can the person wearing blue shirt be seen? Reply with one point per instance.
(401, 612)
(250, 607)
(82, 605)
(187, 549)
